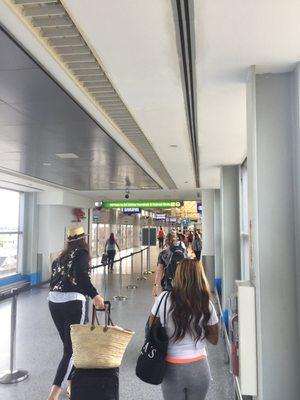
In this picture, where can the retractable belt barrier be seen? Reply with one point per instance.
(120, 296)
(13, 375)
(228, 348)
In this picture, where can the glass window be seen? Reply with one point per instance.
(10, 234)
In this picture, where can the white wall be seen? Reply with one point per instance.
(217, 233)
(296, 147)
(208, 222)
(272, 218)
(230, 235)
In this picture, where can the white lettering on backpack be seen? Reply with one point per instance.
(151, 354)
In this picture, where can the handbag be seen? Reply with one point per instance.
(96, 346)
(151, 364)
(104, 259)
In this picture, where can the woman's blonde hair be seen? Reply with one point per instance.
(190, 300)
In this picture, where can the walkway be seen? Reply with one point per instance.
(38, 346)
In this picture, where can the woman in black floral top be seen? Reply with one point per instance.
(70, 284)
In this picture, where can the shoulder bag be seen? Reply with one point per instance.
(151, 364)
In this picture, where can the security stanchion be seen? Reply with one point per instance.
(142, 277)
(13, 375)
(132, 285)
(105, 280)
(148, 272)
(120, 297)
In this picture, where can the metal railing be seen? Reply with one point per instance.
(120, 296)
(13, 375)
(228, 347)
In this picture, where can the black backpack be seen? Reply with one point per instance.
(174, 256)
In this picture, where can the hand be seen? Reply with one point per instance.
(155, 291)
(98, 302)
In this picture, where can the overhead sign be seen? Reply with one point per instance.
(96, 215)
(128, 210)
(173, 220)
(160, 217)
(141, 204)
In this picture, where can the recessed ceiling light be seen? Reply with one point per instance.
(47, 164)
(174, 146)
(67, 155)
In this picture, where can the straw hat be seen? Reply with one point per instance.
(75, 234)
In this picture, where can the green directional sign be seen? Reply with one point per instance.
(141, 204)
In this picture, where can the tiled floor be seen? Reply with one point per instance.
(39, 348)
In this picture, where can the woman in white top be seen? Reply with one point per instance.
(191, 322)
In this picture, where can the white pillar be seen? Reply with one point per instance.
(217, 234)
(270, 118)
(208, 252)
(230, 235)
(296, 158)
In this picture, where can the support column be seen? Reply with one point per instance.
(230, 236)
(208, 252)
(270, 125)
(217, 234)
(31, 261)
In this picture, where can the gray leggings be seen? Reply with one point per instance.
(186, 381)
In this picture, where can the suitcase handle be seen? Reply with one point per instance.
(108, 320)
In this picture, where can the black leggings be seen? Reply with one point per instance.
(64, 315)
(111, 256)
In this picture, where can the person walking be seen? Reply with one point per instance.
(167, 262)
(161, 237)
(70, 283)
(190, 238)
(197, 246)
(110, 248)
(191, 322)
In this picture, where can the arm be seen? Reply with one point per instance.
(81, 266)
(81, 269)
(213, 333)
(118, 246)
(157, 281)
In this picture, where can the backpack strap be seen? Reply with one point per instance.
(161, 300)
(165, 308)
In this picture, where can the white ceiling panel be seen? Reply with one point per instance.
(135, 40)
(232, 35)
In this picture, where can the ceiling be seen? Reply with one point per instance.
(138, 51)
(39, 122)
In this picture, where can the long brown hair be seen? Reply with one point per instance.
(71, 246)
(190, 300)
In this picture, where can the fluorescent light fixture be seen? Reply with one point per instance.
(67, 155)
(46, 164)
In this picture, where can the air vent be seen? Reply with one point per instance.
(185, 32)
(56, 30)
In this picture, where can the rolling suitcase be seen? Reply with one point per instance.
(95, 384)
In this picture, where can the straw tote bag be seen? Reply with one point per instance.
(96, 346)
